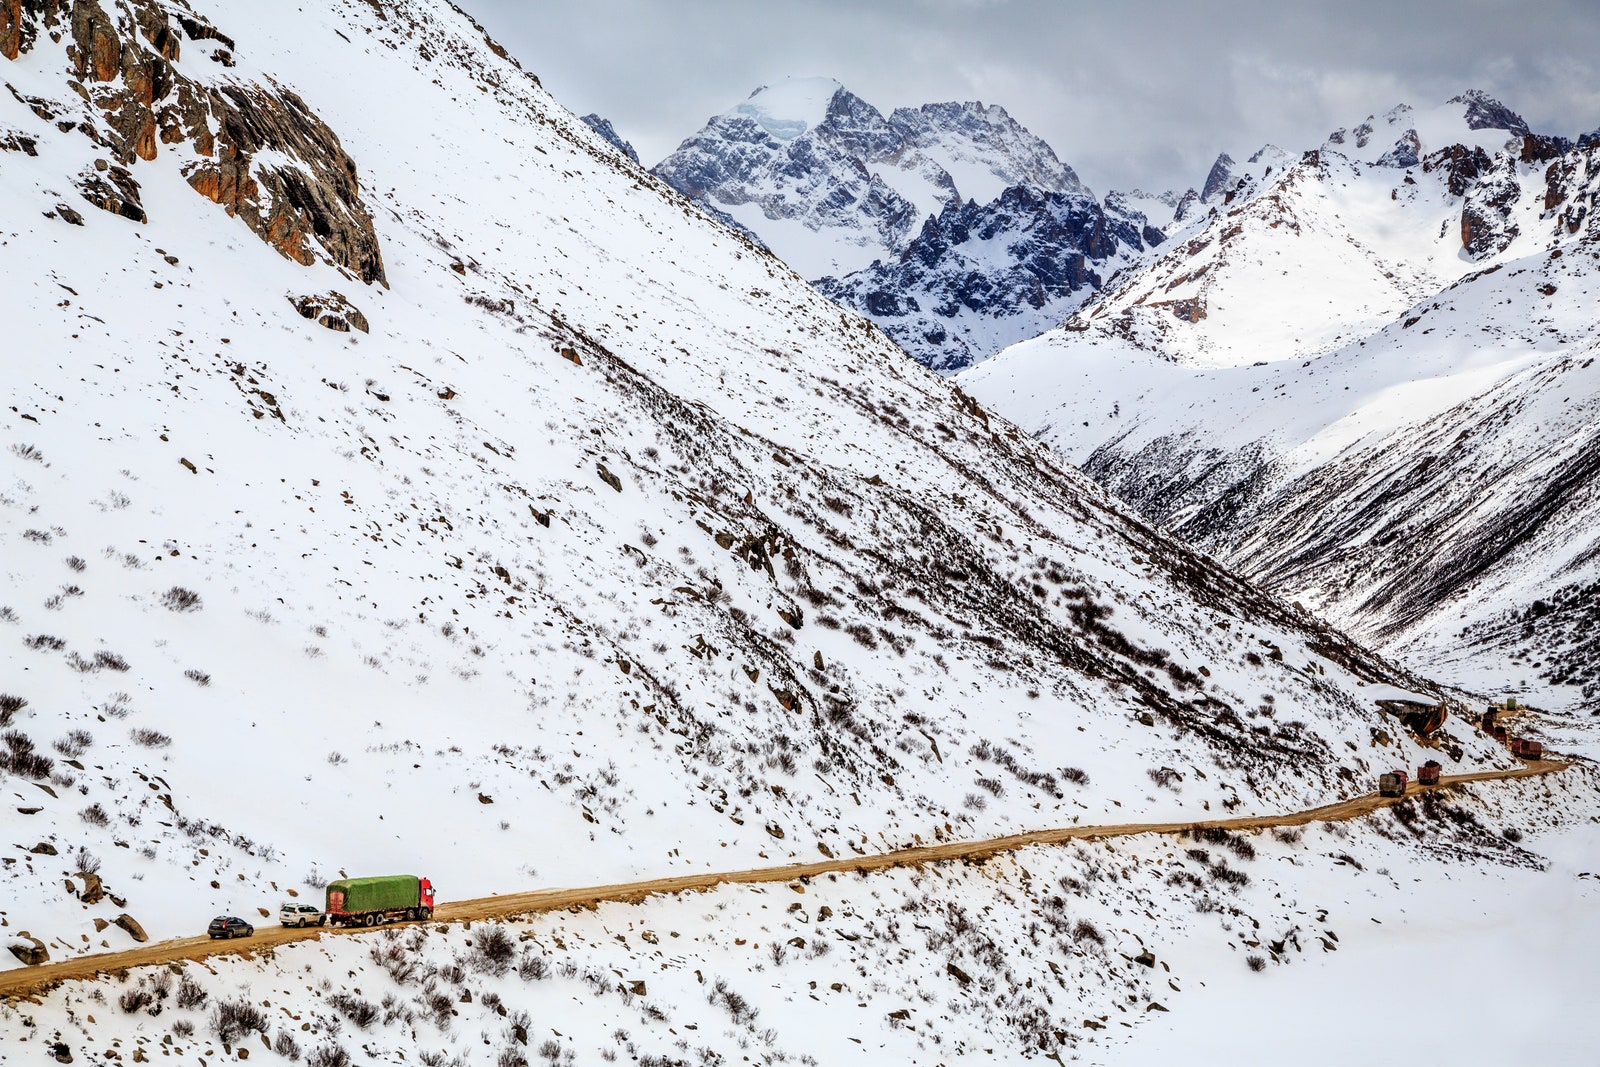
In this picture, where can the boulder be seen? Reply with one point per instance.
(30, 950)
(93, 888)
(131, 925)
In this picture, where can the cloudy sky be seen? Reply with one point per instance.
(1129, 93)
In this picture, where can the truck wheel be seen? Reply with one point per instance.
(372, 919)
(426, 913)
(321, 920)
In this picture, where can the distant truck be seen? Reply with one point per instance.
(1428, 773)
(1392, 784)
(370, 901)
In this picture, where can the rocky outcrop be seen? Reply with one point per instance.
(1487, 227)
(124, 62)
(112, 188)
(332, 310)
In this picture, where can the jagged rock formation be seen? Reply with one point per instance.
(258, 151)
(979, 277)
(603, 127)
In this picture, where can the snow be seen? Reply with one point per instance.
(791, 107)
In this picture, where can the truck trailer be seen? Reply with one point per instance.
(370, 901)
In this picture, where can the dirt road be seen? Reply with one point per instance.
(24, 981)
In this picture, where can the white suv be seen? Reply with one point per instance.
(291, 914)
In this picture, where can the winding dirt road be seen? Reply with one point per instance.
(26, 981)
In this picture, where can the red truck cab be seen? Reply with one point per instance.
(425, 891)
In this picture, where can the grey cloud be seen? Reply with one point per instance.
(1137, 93)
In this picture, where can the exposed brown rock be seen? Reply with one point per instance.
(93, 889)
(131, 925)
(146, 102)
(31, 955)
(94, 35)
(10, 28)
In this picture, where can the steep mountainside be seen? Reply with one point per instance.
(1367, 383)
(950, 225)
(517, 525)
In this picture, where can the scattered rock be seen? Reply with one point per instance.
(44, 848)
(1147, 958)
(606, 476)
(484, 798)
(131, 925)
(958, 974)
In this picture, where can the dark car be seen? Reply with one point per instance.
(229, 926)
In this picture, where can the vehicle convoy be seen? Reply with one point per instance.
(370, 901)
(1392, 784)
(292, 914)
(229, 926)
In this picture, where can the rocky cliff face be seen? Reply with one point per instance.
(979, 277)
(256, 150)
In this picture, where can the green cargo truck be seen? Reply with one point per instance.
(369, 901)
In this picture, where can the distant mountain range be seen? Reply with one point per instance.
(950, 225)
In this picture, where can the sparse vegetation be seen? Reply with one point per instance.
(19, 758)
(233, 1019)
(180, 599)
(145, 736)
(74, 743)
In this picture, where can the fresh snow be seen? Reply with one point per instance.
(834, 607)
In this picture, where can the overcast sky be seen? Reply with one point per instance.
(1129, 92)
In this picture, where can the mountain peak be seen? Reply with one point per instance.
(1221, 171)
(1484, 112)
(790, 108)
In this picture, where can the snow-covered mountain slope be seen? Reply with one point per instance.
(950, 225)
(584, 541)
(1369, 386)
